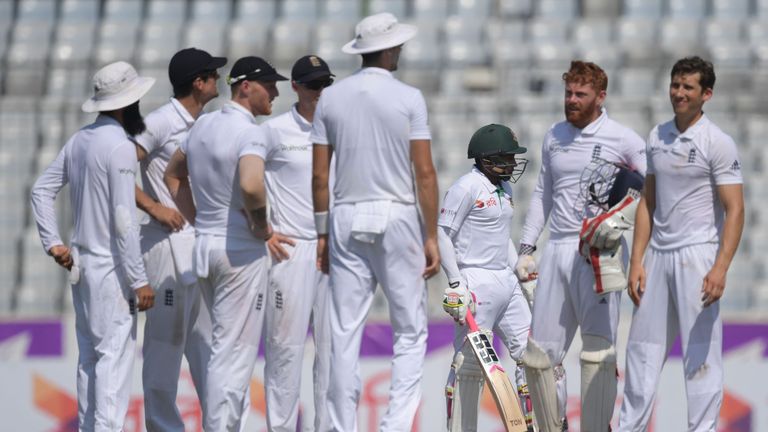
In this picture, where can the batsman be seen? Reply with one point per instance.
(575, 287)
(478, 258)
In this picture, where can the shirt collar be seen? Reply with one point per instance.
(692, 129)
(232, 106)
(376, 70)
(182, 112)
(593, 127)
(300, 120)
(487, 183)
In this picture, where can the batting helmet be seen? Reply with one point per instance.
(493, 139)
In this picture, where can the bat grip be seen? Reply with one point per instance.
(471, 321)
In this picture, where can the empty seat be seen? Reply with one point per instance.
(79, 11)
(160, 41)
(608, 9)
(548, 30)
(516, 9)
(761, 8)
(505, 32)
(161, 91)
(342, 9)
(245, 38)
(553, 56)
(298, 10)
(31, 42)
(557, 9)
(607, 56)
(291, 40)
(730, 9)
(255, 10)
(648, 9)
(117, 41)
(430, 9)
(511, 55)
(637, 82)
(687, 9)
(425, 50)
(214, 11)
(123, 10)
(718, 31)
(757, 31)
(170, 11)
(474, 9)
(36, 11)
(463, 30)
(460, 54)
(680, 37)
(74, 43)
(399, 8)
(731, 54)
(638, 38)
(330, 36)
(205, 35)
(592, 31)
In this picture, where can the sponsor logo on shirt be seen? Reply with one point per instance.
(555, 148)
(284, 147)
(127, 171)
(490, 202)
(447, 212)
(736, 166)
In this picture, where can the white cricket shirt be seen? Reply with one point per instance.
(369, 119)
(99, 164)
(289, 175)
(214, 147)
(566, 151)
(167, 128)
(688, 167)
(478, 215)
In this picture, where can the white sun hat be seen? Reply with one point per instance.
(116, 86)
(379, 32)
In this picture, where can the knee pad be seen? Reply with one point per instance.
(598, 383)
(463, 390)
(541, 384)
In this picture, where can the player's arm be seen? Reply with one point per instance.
(536, 218)
(732, 198)
(321, 169)
(426, 188)
(176, 178)
(251, 169)
(640, 239)
(168, 217)
(43, 201)
(121, 176)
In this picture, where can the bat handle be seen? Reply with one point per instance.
(471, 321)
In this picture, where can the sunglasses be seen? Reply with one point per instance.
(318, 84)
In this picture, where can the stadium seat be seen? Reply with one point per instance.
(81, 11)
(739, 9)
(429, 10)
(342, 9)
(261, 11)
(687, 9)
(291, 40)
(397, 7)
(205, 35)
(73, 44)
(160, 40)
(330, 36)
(557, 9)
(548, 31)
(298, 10)
(645, 9)
(116, 41)
(474, 9)
(41, 11)
(211, 11)
(246, 38)
(123, 11)
(516, 9)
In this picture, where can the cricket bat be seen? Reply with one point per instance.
(503, 391)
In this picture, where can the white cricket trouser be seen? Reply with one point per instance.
(395, 260)
(234, 293)
(670, 305)
(298, 293)
(565, 299)
(175, 326)
(105, 325)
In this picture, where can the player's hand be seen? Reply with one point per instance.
(322, 253)
(457, 299)
(713, 286)
(432, 254)
(275, 245)
(145, 297)
(525, 269)
(168, 217)
(62, 256)
(636, 282)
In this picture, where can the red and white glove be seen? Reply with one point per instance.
(457, 299)
(605, 231)
(607, 265)
(525, 269)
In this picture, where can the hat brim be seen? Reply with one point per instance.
(272, 77)
(313, 76)
(402, 34)
(122, 99)
(216, 63)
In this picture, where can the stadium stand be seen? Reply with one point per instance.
(477, 61)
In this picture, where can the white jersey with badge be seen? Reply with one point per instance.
(289, 175)
(688, 167)
(167, 128)
(369, 119)
(213, 148)
(478, 215)
(566, 151)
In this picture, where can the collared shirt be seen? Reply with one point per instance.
(213, 148)
(99, 164)
(478, 215)
(167, 128)
(289, 175)
(566, 151)
(369, 119)
(688, 168)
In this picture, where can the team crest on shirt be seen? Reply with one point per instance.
(692, 156)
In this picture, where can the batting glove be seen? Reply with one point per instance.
(526, 268)
(456, 299)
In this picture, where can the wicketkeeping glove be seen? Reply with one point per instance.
(456, 299)
(604, 232)
(525, 269)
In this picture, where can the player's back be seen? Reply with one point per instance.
(370, 118)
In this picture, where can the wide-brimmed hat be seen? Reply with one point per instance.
(116, 86)
(379, 32)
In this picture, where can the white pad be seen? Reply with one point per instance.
(541, 384)
(462, 393)
(598, 383)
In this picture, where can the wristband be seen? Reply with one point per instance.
(526, 249)
(321, 222)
